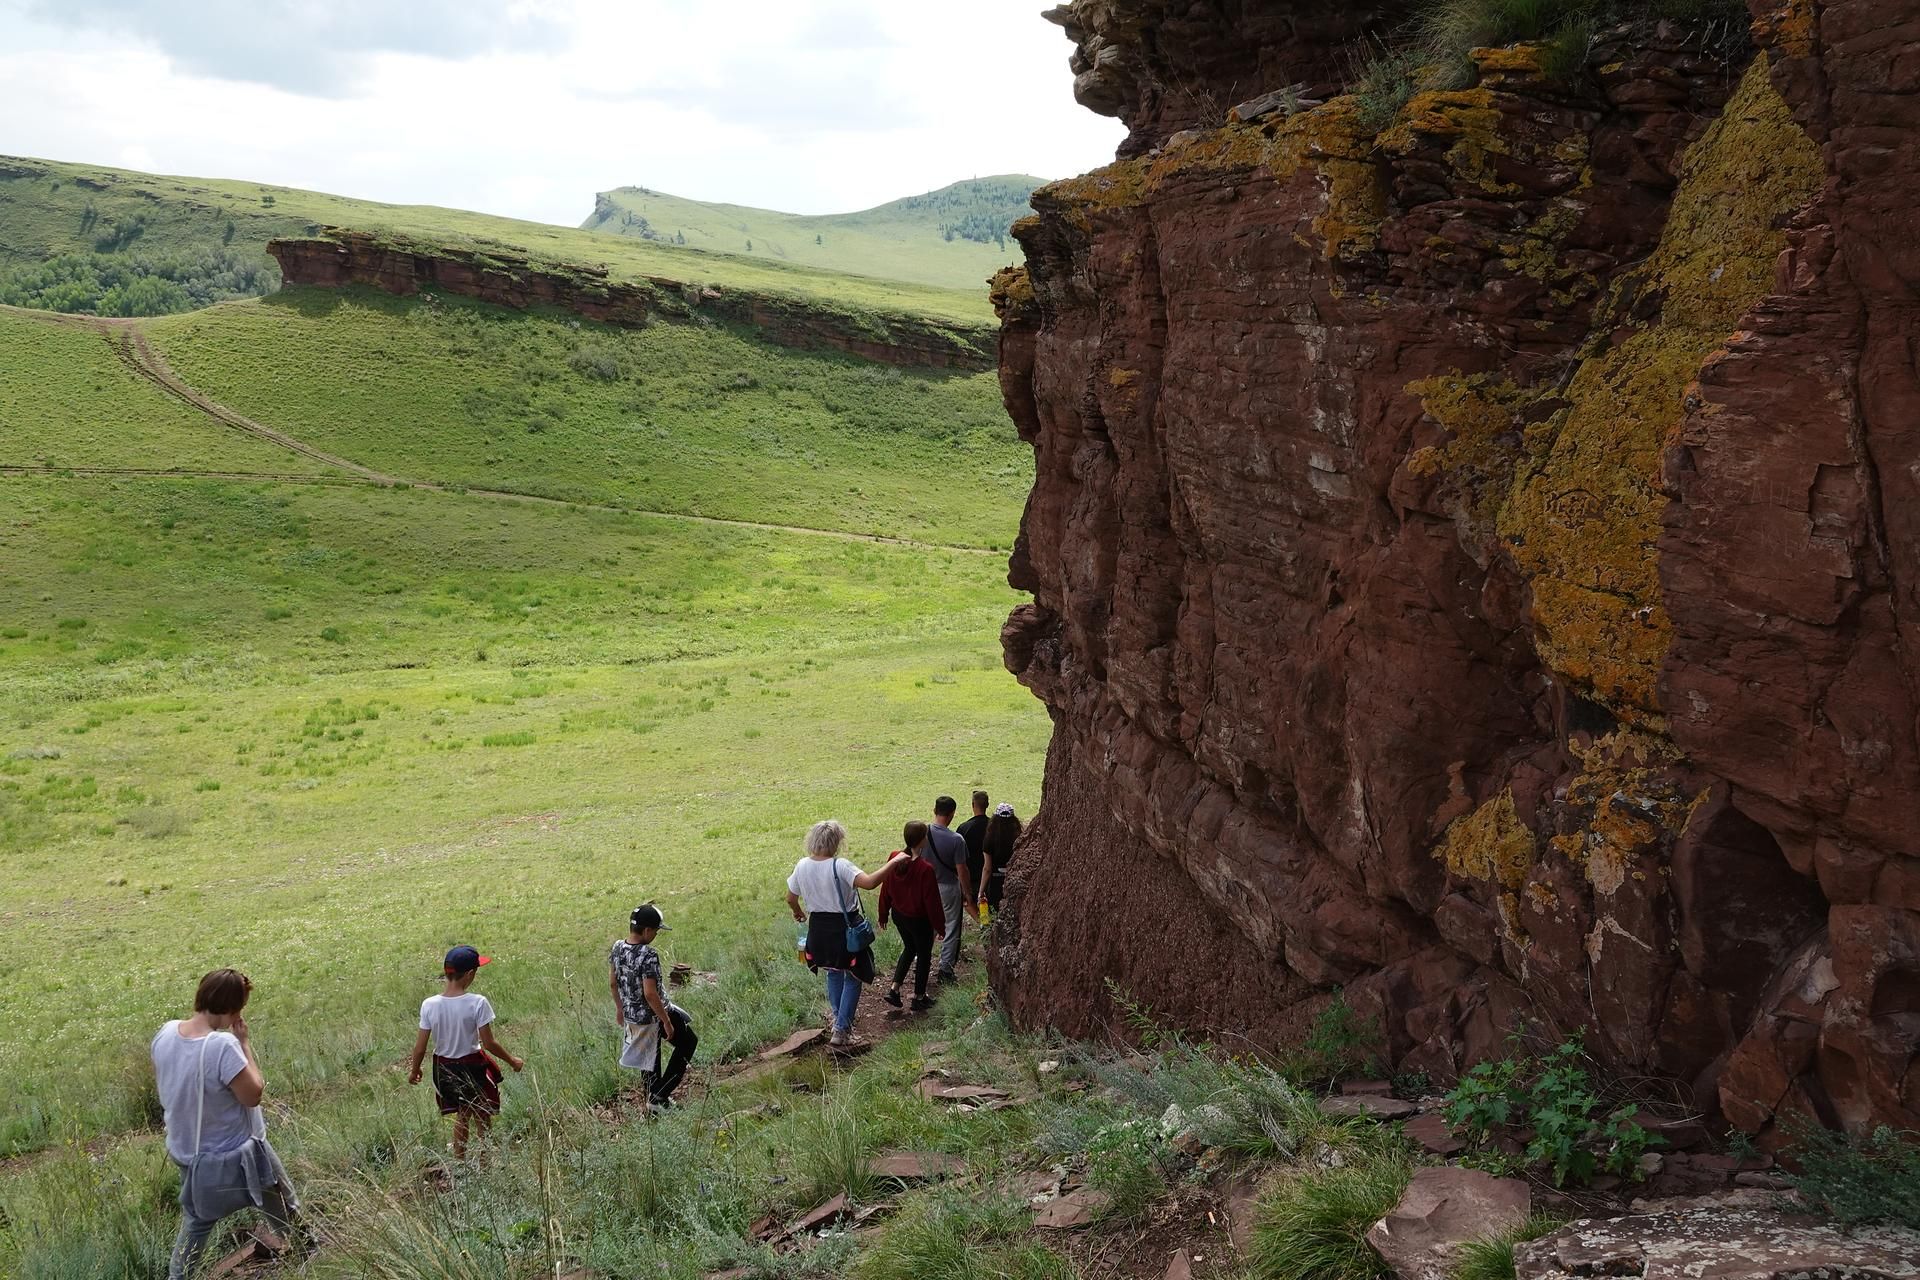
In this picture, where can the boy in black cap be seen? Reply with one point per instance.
(459, 1022)
(646, 1013)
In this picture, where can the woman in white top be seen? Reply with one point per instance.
(827, 887)
(210, 1089)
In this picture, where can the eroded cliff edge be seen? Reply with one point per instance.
(1474, 559)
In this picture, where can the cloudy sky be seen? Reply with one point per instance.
(528, 107)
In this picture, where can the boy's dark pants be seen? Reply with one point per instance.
(918, 951)
(682, 1044)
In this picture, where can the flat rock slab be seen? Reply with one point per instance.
(1367, 1089)
(916, 1166)
(1435, 1134)
(247, 1259)
(934, 1089)
(832, 1211)
(1724, 1241)
(1441, 1209)
(1077, 1208)
(795, 1043)
(1366, 1105)
(1181, 1266)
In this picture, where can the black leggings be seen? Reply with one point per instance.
(680, 1052)
(917, 951)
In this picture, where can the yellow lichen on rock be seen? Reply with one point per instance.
(1584, 516)
(1489, 844)
(1011, 292)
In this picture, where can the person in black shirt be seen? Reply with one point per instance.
(974, 832)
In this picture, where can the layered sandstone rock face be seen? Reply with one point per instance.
(1476, 559)
(406, 266)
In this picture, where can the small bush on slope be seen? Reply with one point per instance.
(1875, 1178)
(1492, 1258)
(1314, 1227)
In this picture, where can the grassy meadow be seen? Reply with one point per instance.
(321, 731)
(953, 238)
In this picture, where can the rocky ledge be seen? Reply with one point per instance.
(1474, 557)
(508, 278)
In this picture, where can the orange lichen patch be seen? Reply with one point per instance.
(1789, 28)
(1123, 377)
(1583, 519)
(1490, 844)
(1634, 807)
(1513, 62)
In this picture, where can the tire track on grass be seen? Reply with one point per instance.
(131, 349)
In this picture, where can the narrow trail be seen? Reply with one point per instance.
(132, 350)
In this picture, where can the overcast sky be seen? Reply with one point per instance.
(528, 107)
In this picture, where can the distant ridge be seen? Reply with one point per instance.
(953, 237)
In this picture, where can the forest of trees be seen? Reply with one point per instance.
(131, 284)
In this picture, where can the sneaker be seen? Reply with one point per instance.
(949, 976)
(661, 1104)
(838, 1039)
(891, 997)
(921, 1004)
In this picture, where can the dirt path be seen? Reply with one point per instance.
(130, 347)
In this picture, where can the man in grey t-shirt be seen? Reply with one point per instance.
(948, 853)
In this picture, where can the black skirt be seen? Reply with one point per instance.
(827, 946)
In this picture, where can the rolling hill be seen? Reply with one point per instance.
(951, 238)
(76, 237)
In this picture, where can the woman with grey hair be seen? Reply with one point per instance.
(824, 893)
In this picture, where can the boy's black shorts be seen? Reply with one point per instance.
(471, 1083)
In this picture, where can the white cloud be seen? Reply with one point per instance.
(814, 108)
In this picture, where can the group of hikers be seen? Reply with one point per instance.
(210, 1085)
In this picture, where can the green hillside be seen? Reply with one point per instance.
(954, 237)
(681, 418)
(77, 237)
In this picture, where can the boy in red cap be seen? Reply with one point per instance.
(466, 1084)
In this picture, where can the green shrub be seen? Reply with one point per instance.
(1856, 1179)
(1340, 1044)
(1123, 1160)
(1314, 1227)
(1556, 1098)
(1240, 1106)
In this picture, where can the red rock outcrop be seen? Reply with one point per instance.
(1474, 559)
(405, 266)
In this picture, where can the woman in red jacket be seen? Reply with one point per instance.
(911, 895)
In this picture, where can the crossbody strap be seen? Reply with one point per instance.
(837, 887)
(200, 1083)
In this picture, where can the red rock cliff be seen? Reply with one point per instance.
(1476, 561)
(406, 266)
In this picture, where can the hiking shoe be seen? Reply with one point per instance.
(837, 1039)
(891, 997)
(921, 1004)
(661, 1104)
(949, 976)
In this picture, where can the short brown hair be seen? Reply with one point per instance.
(222, 992)
(980, 800)
(916, 832)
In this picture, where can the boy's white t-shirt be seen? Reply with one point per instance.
(196, 1074)
(824, 884)
(455, 1022)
